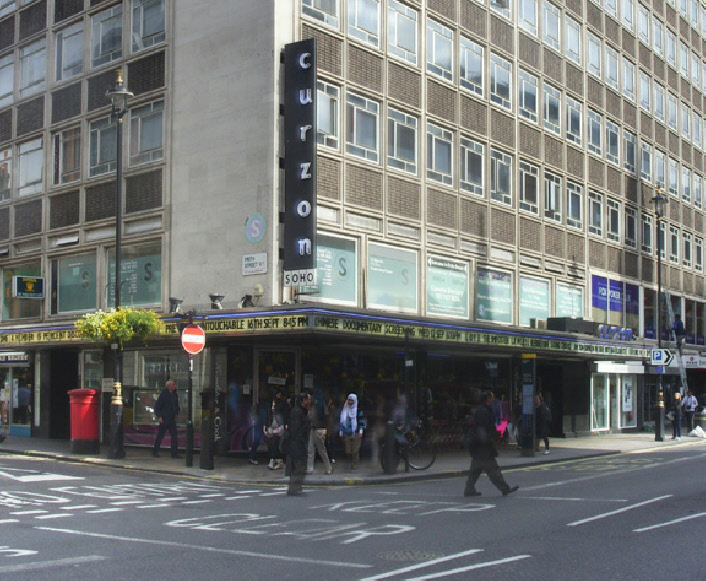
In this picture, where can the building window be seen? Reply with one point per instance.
(661, 240)
(595, 132)
(472, 166)
(613, 220)
(146, 133)
(699, 245)
(401, 141)
(686, 185)
(502, 7)
(7, 79)
(15, 307)
(626, 10)
(673, 176)
(472, 59)
(629, 151)
(5, 173)
(630, 227)
(611, 7)
(644, 91)
(686, 258)
(33, 68)
(75, 283)
(551, 27)
(685, 121)
(500, 79)
(327, 115)
(6, 6)
(102, 146)
(500, 177)
(552, 196)
(324, 10)
(643, 24)
(703, 77)
(658, 37)
(528, 15)
(362, 127)
(683, 8)
(574, 205)
(106, 36)
(595, 213)
(659, 169)
(440, 146)
(552, 108)
(659, 103)
(594, 54)
(67, 156)
(695, 69)
(671, 48)
(364, 20)
(31, 159)
(573, 40)
(646, 161)
(440, 50)
(527, 96)
(674, 244)
(696, 127)
(683, 60)
(611, 67)
(646, 233)
(69, 52)
(529, 195)
(672, 112)
(628, 79)
(612, 147)
(573, 120)
(402, 31)
(698, 191)
(147, 23)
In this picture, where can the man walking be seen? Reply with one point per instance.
(484, 451)
(166, 410)
(690, 405)
(317, 437)
(299, 429)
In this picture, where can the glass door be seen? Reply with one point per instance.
(614, 393)
(599, 402)
(628, 417)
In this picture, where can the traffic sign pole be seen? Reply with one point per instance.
(193, 340)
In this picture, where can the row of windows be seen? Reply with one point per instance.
(26, 175)
(106, 45)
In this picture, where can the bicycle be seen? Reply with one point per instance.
(416, 444)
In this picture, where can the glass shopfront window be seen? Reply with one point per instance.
(16, 397)
(599, 402)
(613, 401)
(74, 283)
(141, 276)
(17, 308)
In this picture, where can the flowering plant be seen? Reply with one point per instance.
(117, 326)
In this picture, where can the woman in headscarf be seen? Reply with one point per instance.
(351, 430)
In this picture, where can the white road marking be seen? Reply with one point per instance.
(212, 495)
(280, 493)
(101, 510)
(618, 511)
(16, 552)
(26, 512)
(7, 521)
(671, 522)
(122, 502)
(422, 565)
(35, 476)
(51, 516)
(69, 561)
(79, 507)
(244, 492)
(470, 568)
(196, 501)
(162, 505)
(575, 499)
(237, 497)
(286, 558)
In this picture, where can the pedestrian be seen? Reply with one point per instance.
(166, 410)
(678, 331)
(676, 423)
(351, 429)
(317, 437)
(332, 414)
(259, 429)
(299, 431)
(542, 418)
(484, 451)
(690, 405)
(274, 432)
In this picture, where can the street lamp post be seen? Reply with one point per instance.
(118, 98)
(660, 201)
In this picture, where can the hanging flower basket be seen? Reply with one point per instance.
(118, 327)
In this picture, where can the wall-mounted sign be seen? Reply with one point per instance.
(255, 228)
(300, 76)
(254, 264)
(28, 287)
(447, 288)
(493, 296)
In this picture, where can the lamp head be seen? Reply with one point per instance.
(216, 299)
(175, 305)
(119, 95)
(660, 202)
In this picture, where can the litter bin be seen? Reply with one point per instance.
(84, 406)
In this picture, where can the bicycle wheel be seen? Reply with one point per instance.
(422, 453)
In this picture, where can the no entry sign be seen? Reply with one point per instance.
(193, 339)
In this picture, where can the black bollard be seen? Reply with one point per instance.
(206, 455)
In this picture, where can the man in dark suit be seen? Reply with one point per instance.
(166, 410)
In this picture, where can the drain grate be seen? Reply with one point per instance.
(409, 556)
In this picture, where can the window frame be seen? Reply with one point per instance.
(65, 36)
(528, 24)
(595, 126)
(398, 121)
(574, 205)
(315, 10)
(138, 39)
(31, 151)
(141, 116)
(470, 147)
(553, 194)
(63, 142)
(551, 94)
(528, 173)
(658, 99)
(630, 226)
(629, 152)
(397, 12)
(438, 34)
(573, 40)
(356, 29)
(612, 129)
(613, 220)
(328, 93)
(574, 120)
(628, 80)
(551, 22)
(436, 135)
(112, 16)
(647, 233)
(595, 213)
(30, 56)
(101, 130)
(611, 67)
(673, 176)
(646, 161)
(7, 67)
(468, 48)
(498, 63)
(500, 159)
(526, 80)
(357, 105)
(594, 52)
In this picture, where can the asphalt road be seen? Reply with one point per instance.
(627, 516)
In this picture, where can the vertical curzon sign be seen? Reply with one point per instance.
(300, 163)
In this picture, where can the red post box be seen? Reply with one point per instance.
(84, 407)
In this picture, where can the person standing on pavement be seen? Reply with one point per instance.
(274, 431)
(166, 410)
(690, 405)
(484, 451)
(318, 437)
(541, 423)
(259, 429)
(676, 423)
(351, 429)
(299, 431)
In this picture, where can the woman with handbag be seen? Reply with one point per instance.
(274, 431)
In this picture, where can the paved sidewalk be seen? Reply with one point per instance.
(238, 470)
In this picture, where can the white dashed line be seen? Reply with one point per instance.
(101, 510)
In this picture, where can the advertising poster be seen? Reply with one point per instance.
(534, 299)
(392, 279)
(336, 271)
(493, 296)
(447, 288)
(569, 301)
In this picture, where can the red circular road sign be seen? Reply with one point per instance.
(193, 339)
